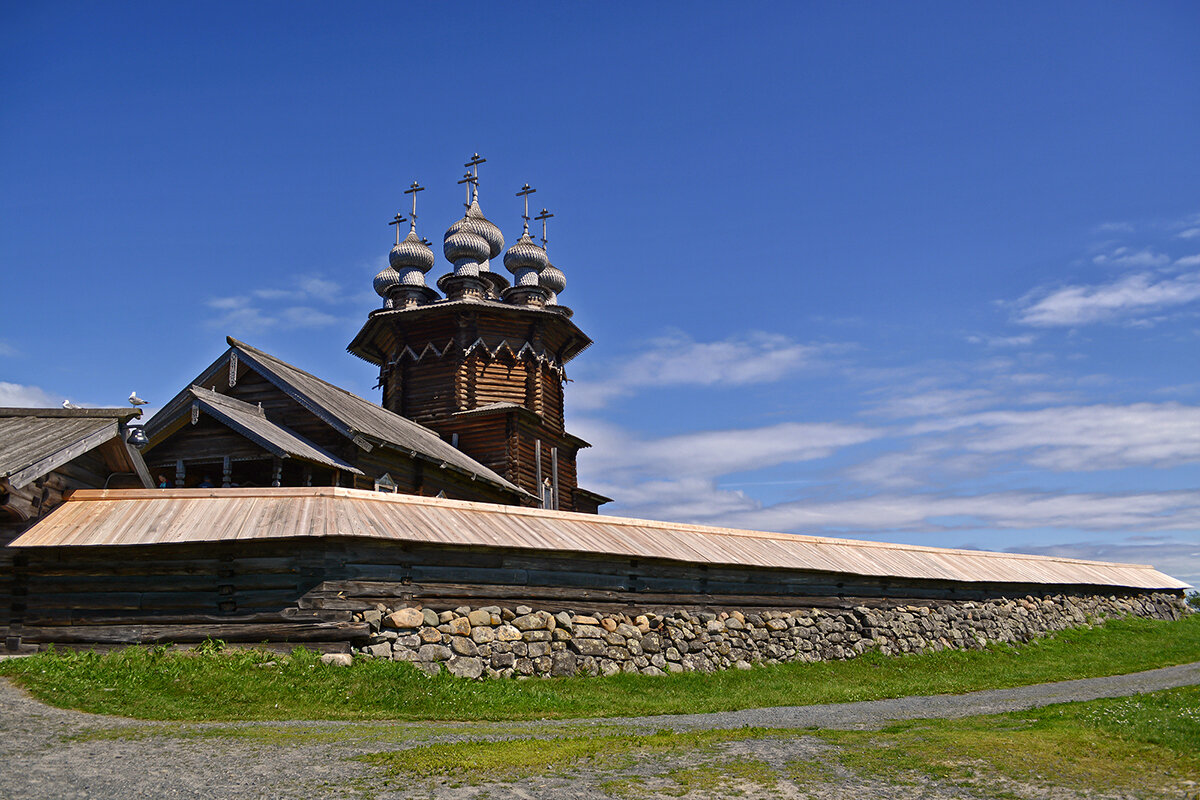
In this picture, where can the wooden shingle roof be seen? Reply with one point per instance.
(251, 422)
(141, 517)
(34, 441)
(352, 416)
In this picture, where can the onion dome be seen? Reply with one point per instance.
(553, 281)
(411, 255)
(385, 280)
(525, 260)
(475, 222)
(465, 250)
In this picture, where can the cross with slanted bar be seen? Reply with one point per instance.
(470, 181)
(545, 215)
(526, 190)
(416, 187)
(396, 221)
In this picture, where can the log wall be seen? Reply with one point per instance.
(307, 591)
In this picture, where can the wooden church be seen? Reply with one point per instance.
(472, 388)
(288, 506)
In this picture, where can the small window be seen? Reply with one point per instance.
(384, 483)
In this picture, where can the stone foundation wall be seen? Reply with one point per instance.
(503, 642)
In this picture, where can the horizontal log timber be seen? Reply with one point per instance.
(291, 631)
(167, 617)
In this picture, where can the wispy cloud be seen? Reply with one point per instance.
(1127, 257)
(675, 477)
(7, 350)
(1018, 510)
(1023, 340)
(15, 395)
(1081, 438)
(288, 309)
(1132, 295)
(679, 360)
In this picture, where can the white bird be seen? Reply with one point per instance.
(134, 400)
(69, 404)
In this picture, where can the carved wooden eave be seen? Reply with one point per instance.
(383, 324)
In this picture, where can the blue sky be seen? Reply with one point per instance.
(918, 272)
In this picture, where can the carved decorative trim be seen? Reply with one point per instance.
(195, 413)
(233, 367)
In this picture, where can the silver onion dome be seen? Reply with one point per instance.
(385, 280)
(463, 245)
(475, 222)
(525, 260)
(411, 254)
(553, 281)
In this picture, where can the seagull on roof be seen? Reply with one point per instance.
(134, 400)
(69, 404)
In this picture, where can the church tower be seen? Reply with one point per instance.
(483, 366)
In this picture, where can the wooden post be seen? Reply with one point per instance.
(308, 474)
(277, 471)
(226, 472)
(180, 474)
(554, 475)
(537, 480)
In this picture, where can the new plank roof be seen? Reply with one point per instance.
(147, 517)
(34, 441)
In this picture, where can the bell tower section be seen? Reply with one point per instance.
(484, 367)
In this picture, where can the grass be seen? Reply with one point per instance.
(152, 683)
(514, 759)
(1147, 742)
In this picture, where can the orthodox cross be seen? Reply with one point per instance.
(474, 163)
(396, 221)
(526, 190)
(416, 187)
(545, 215)
(470, 181)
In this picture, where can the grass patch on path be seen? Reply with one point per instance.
(1147, 742)
(149, 683)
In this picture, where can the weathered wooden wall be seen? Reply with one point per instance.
(305, 591)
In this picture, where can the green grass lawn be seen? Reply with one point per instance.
(1145, 742)
(151, 683)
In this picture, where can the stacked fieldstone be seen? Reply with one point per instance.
(501, 642)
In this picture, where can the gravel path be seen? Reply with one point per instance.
(53, 753)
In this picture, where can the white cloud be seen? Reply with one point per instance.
(15, 395)
(1019, 510)
(7, 350)
(258, 310)
(1125, 257)
(1080, 438)
(1188, 261)
(679, 360)
(1003, 341)
(1131, 295)
(708, 454)
(674, 477)
(1190, 233)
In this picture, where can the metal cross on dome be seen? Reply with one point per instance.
(396, 221)
(545, 215)
(526, 190)
(470, 180)
(416, 187)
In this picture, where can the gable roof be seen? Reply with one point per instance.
(251, 422)
(352, 416)
(34, 441)
(172, 516)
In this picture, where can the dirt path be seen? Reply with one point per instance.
(53, 753)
